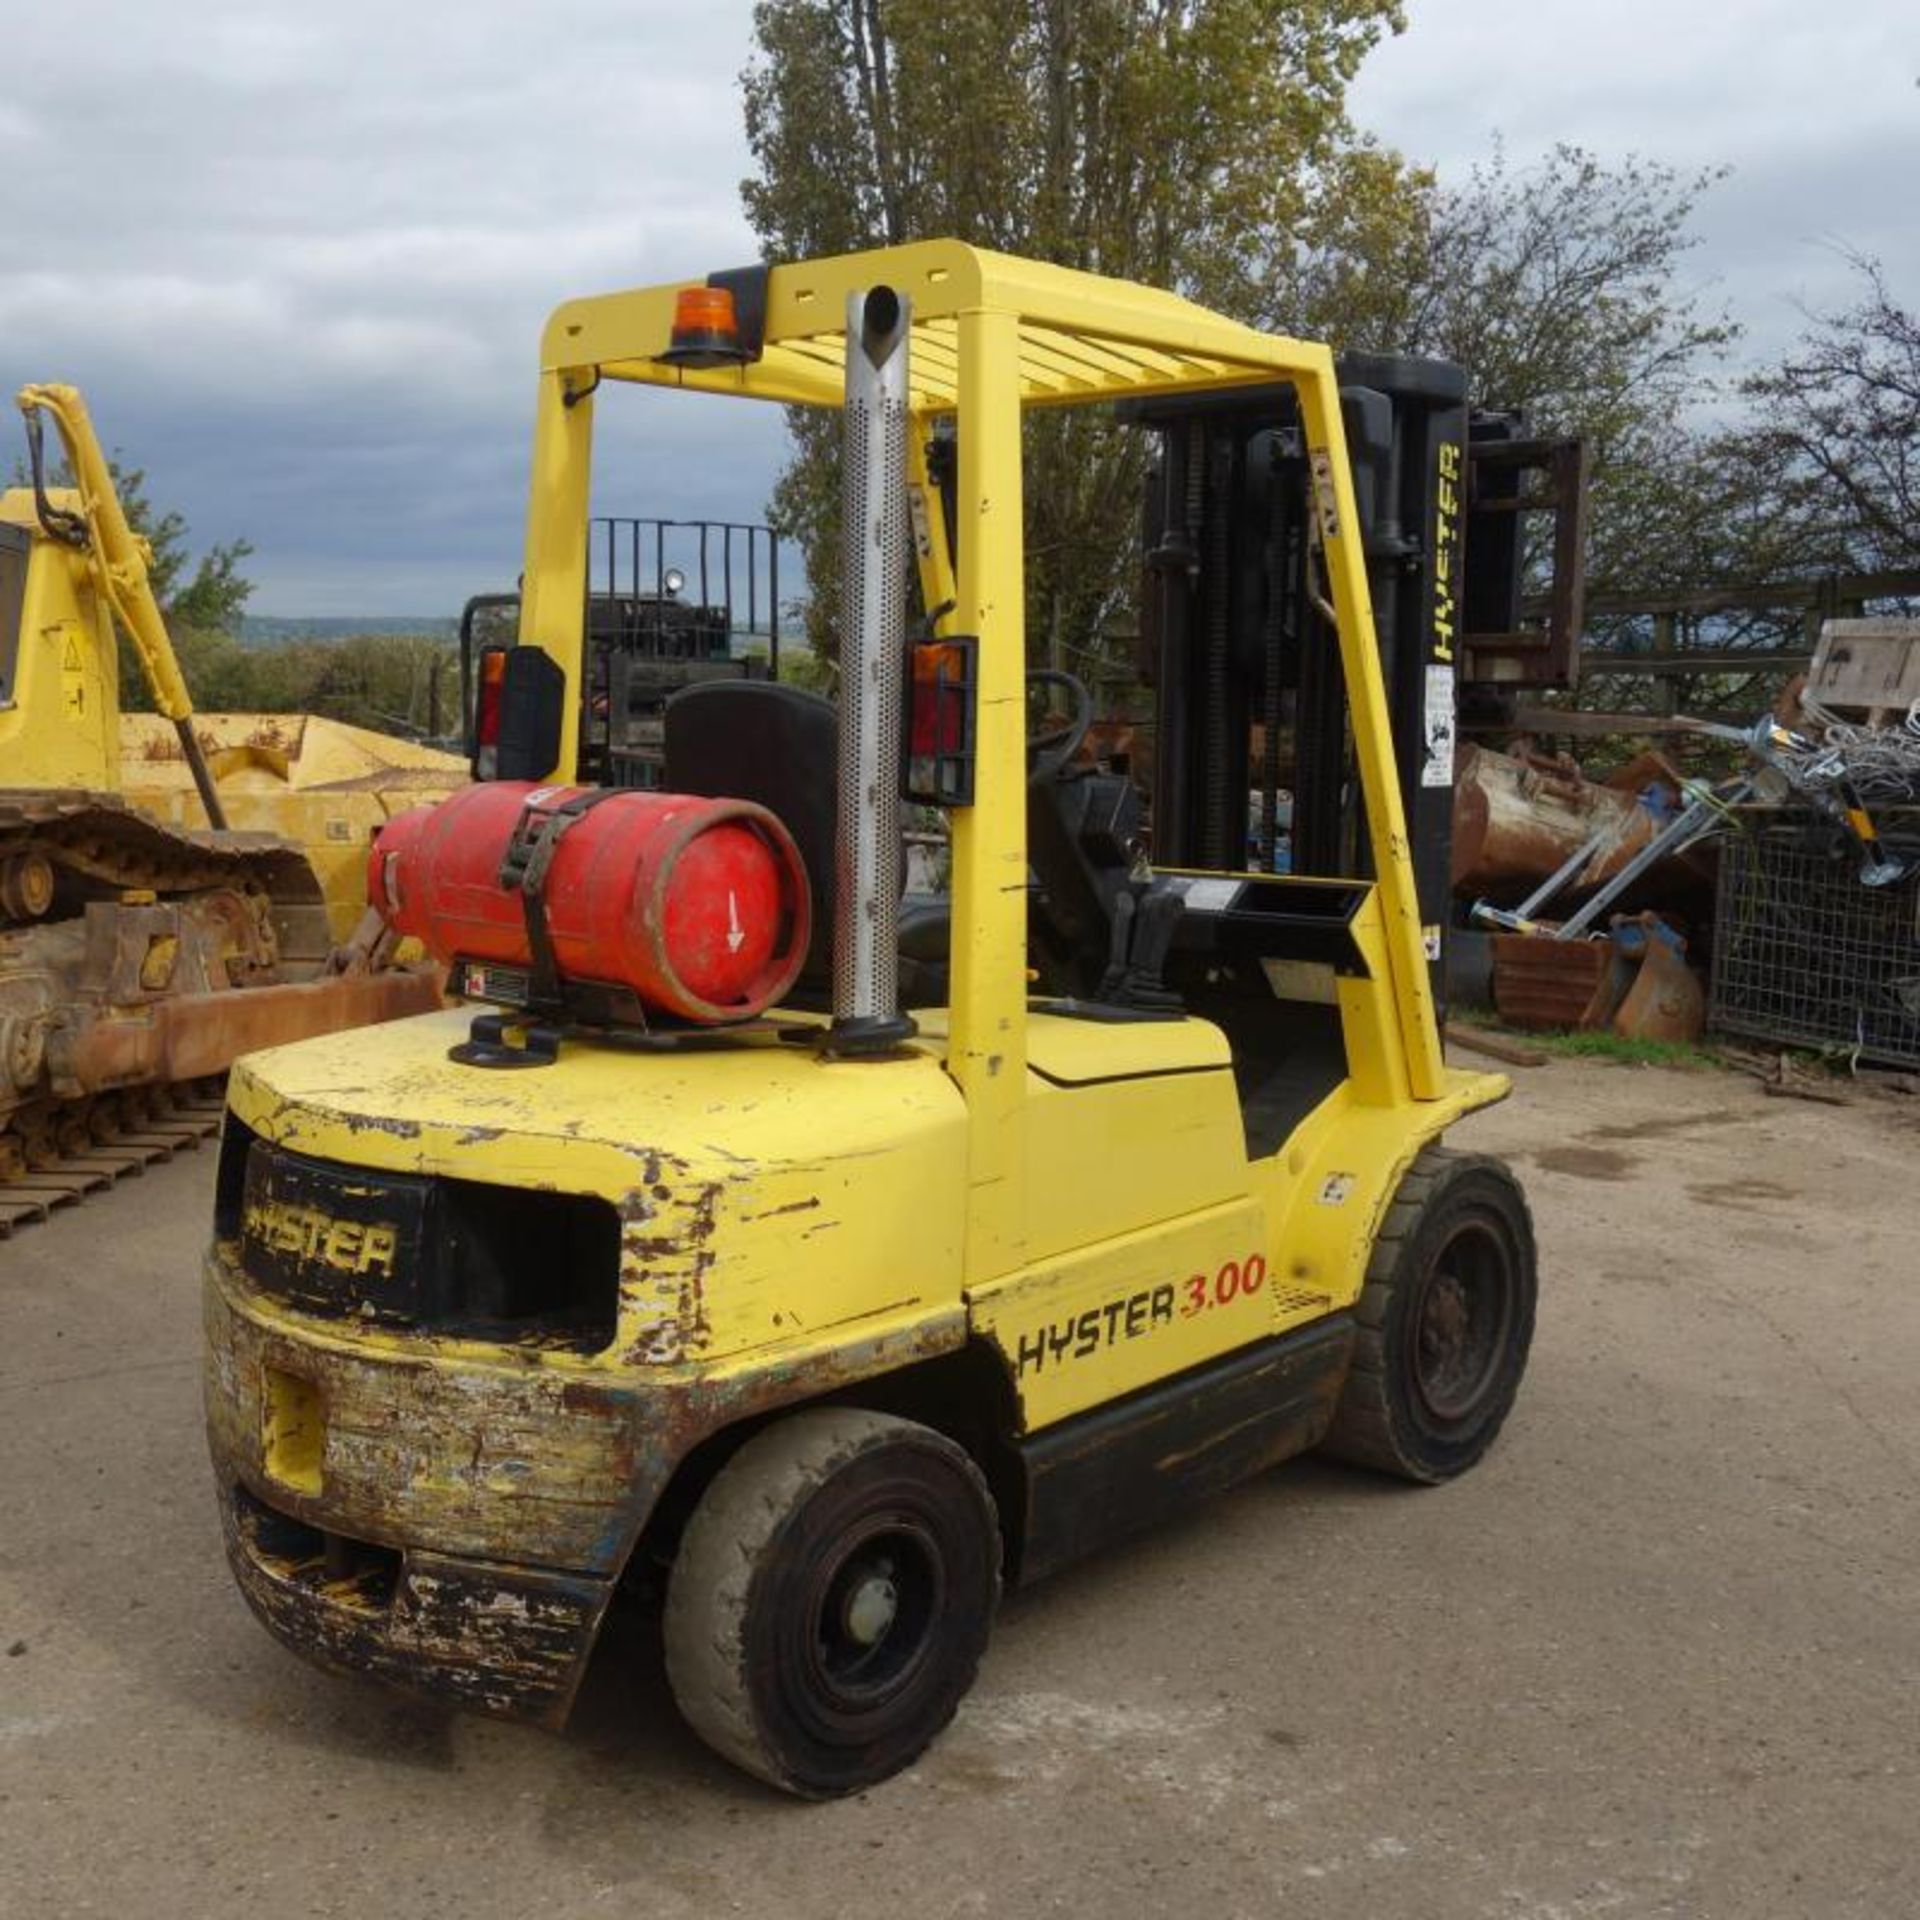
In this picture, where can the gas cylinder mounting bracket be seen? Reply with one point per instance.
(487, 1045)
(523, 868)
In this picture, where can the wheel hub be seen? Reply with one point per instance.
(872, 1606)
(1461, 1323)
(878, 1601)
(1445, 1330)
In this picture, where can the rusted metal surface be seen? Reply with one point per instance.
(1516, 820)
(101, 837)
(56, 1153)
(193, 1035)
(503, 1639)
(548, 1465)
(511, 1494)
(150, 959)
(511, 1463)
(1635, 982)
(1665, 999)
(437, 1436)
(1542, 985)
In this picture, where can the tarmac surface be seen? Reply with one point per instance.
(1658, 1655)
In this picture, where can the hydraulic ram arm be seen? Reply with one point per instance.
(118, 558)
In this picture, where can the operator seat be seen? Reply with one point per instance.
(777, 746)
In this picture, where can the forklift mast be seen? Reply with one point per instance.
(1237, 636)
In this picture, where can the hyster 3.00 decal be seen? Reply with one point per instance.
(1080, 1335)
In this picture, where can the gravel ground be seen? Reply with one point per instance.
(1656, 1656)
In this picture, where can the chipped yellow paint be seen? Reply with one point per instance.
(777, 1205)
(57, 724)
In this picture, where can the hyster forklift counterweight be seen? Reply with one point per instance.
(824, 1320)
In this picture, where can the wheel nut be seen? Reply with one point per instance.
(23, 1051)
(26, 885)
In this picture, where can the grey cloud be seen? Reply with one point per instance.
(300, 256)
(1815, 110)
(301, 259)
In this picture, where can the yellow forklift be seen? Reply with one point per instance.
(700, 1260)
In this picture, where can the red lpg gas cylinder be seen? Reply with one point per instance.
(700, 907)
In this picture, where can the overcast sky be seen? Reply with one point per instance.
(299, 256)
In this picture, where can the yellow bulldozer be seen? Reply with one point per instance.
(175, 889)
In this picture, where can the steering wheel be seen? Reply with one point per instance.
(1052, 747)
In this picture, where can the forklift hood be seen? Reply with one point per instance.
(598, 1120)
(737, 1172)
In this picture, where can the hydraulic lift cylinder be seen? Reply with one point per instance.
(866, 948)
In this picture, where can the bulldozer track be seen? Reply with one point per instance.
(56, 1151)
(103, 839)
(79, 1148)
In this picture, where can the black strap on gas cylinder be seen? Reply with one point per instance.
(523, 869)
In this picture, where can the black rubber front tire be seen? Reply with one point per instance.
(1445, 1321)
(831, 1599)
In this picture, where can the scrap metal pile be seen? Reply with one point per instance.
(1605, 899)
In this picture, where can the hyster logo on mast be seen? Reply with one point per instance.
(1446, 551)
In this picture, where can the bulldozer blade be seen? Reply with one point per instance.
(195, 1035)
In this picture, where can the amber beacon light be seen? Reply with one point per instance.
(706, 332)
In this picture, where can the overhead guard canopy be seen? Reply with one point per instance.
(990, 334)
(1082, 337)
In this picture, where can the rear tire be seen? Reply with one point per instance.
(1445, 1321)
(831, 1599)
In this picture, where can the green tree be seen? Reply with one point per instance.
(214, 596)
(214, 600)
(1557, 287)
(202, 608)
(1561, 287)
(1201, 145)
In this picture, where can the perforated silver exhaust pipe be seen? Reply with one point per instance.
(866, 919)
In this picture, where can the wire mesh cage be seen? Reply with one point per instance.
(1804, 954)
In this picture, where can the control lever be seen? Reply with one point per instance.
(1143, 927)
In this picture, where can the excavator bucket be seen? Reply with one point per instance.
(1657, 995)
(1542, 985)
